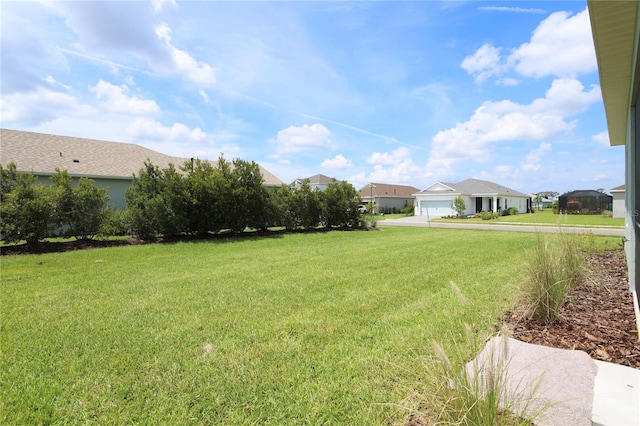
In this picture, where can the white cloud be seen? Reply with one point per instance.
(204, 96)
(561, 46)
(484, 63)
(151, 130)
(503, 171)
(601, 139)
(159, 5)
(507, 121)
(39, 106)
(508, 81)
(183, 62)
(302, 138)
(384, 158)
(337, 162)
(531, 162)
(394, 167)
(511, 9)
(117, 100)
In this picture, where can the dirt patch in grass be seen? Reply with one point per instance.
(597, 318)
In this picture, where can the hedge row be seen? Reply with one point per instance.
(199, 198)
(32, 212)
(195, 198)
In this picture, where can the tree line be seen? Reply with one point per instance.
(194, 198)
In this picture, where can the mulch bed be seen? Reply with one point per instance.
(598, 316)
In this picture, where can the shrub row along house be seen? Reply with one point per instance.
(153, 194)
(110, 164)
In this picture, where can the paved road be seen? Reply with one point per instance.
(421, 221)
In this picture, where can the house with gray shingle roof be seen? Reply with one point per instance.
(388, 197)
(479, 195)
(109, 164)
(319, 182)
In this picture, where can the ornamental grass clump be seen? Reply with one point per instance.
(556, 266)
(475, 393)
(462, 392)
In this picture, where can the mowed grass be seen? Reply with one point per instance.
(547, 217)
(293, 329)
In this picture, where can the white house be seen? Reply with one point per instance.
(618, 195)
(478, 195)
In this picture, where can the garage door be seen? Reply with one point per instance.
(436, 208)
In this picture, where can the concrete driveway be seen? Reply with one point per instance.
(422, 221)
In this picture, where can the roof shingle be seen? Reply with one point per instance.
(41, 154)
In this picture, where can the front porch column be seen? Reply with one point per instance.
(495, 204)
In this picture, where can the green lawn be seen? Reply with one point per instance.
(292, 329)
(546, 217)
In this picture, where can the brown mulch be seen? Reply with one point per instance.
(598, 316)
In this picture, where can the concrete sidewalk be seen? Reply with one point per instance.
(421, 221)
(560, 387)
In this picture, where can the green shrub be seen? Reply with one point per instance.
(487, 215)
(459, 206)
(607, 213)
(509, 212)
(28, 211)
(114, 223)
(557, 266)
(408, 211)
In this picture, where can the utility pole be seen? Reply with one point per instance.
(371, 186)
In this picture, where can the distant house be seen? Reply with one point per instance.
(388, 198)
(479, 195)
(543, 202)
(619, 206)
(584, 201)
(109, 164)
(319, 182)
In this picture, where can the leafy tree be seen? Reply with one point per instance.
(144, 201)
(114, 222)
(250, 194)
(27, 210)
(244, 195)
(548, 194)
(8, 180)
(63, 201)
(459, 206)
(340, 202)
(281, 200)
(205, 189)
(89, 208)
(306, 206)
(80, 210)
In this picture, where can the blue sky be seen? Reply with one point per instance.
(394, 92)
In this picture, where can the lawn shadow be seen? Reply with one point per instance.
(220, 237)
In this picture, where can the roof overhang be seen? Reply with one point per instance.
(615, 27)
